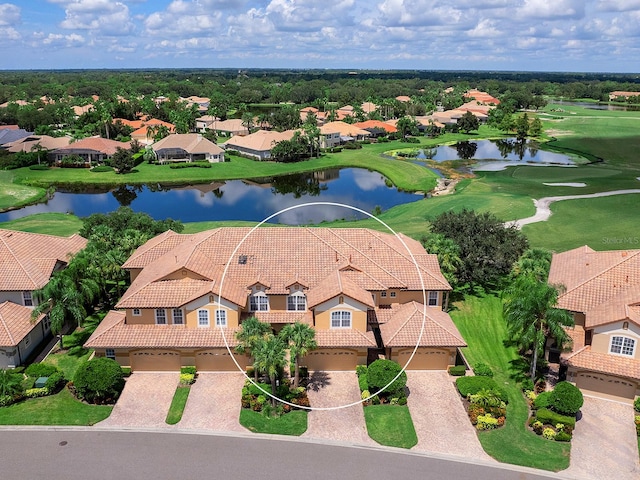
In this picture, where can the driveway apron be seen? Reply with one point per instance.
(604, 444)
(145, 400)
(438, 415)
(334, 389)
(214, 402)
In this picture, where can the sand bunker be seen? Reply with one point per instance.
(568, 184)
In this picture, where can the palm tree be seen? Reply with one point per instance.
(270, 357)
(252, 331)
(531, 316)
(534, 261)
(10, 383)
(301, 339)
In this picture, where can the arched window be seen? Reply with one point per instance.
(259, 302)
(341, 319)
(297, 302)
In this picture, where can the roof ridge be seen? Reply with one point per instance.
(4, 324)
(18, 261)
(408, 317)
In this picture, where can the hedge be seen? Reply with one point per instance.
(543, 400)
(546, 416)
(40, 370)
(472, 385)
(99, 380)
(458, 370)
(566, 398)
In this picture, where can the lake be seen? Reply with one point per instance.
(239, 199)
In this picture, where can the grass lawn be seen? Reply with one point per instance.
(292, 423)
(481, 324)
(13, 195)
(390, 425)
(177, 404)
(59, 409)
(61, 224)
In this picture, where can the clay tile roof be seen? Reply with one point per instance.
(113, 331)
(98, 144)
(378, 124)
(260, 141)
(27, 260)
(605, 363)
(15, 323)
(338, 284)
(189, 142)
(404, 327)
(338, 337)
(283, 317)
(167, 293)
(345, 129)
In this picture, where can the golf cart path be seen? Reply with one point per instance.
(543, 210)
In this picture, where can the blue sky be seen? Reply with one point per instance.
(537, 35)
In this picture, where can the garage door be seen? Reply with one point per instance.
(219, 360)
(605, 385)
(329, 359)
(424, 359)
(155, 360)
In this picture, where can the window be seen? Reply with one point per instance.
(161, 316)
(622, 346)
(47, 323)
(110, 353)
(203, 318)
(259, 302)
(341, 319)
(137, 312)
(27, 340)
(178, 316)
(433, 299)
(383, 294)
(297, 302)
(27, 299)
(221, 318)
(392, 294)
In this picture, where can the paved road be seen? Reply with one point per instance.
(96, 454)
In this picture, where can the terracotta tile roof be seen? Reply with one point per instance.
(345, 129)
(46, 142)
(369, 107)
(482, 97)
(15, 323)
(577, 336)
(605, 363)
(135, 124)
(27, 260)
(154, 249)
(602, 285)
(377, 124)
(339, 337)
(232, 125)
(404, 327)
(192, 143)
(403, 98)
(337, 283)
(97, 144)
(282, 317)
(167, 293)
(112, 331)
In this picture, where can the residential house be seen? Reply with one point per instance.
(376, 128)
(187, 147)
(35, 142)
(92, 149)
(329, 136)
(617, 95)
(146, 132)
(257, 145)
(481, 97)
(365, 293)
(602, 291)
(10, 135)
(223, 128)
(27, 262)
(348, 132)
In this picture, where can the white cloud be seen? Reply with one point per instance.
(539, 9)
(9, 14)
(59, 40)
(101, 16)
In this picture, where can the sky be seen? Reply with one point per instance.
(521, 35)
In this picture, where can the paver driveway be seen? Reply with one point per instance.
(604, 444)
(145, 400)
(438, 415)
(214, 402)
(332, 389)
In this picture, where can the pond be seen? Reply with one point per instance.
(495, 154)
(239, 199)
(599, 106)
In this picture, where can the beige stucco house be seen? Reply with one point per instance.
(187, 147)
(359, 289)
(602, 290)
(258, 144)
(27, 261)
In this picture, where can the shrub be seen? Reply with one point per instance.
(36, 392)
(6, 400)
(402, 401)
(126, 371)
(102, 168)
(543, 400)
(549, 417)
(537, 427)
(40, 370)
(472, 385)
(187, 378)
(486, 422)
(482, 370)
(637, 420)
(190, 165)
(99, 380)
(363, 382)
(527, 385)
(55, 382)
(636, 404)
(549, 433)
(190, 370)
(365, 394)
(458, 371)
(563, 437)
(540, 386)
(486, 398)
(382, 373)
(39, 167)
(360, 369)
(566, 398)
(530, 395)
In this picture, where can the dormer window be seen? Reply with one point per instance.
(259, 302)
(297, 302)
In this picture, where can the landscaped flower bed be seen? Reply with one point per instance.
(485, 401)
(255, 398)
(553, 414)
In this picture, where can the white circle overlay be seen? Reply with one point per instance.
(356, 209)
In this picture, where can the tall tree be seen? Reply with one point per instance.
(532, 318)
(468, 122)
(252, 332)
(270, 357)
(301, 340)
(407, 126)
(448, 253)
